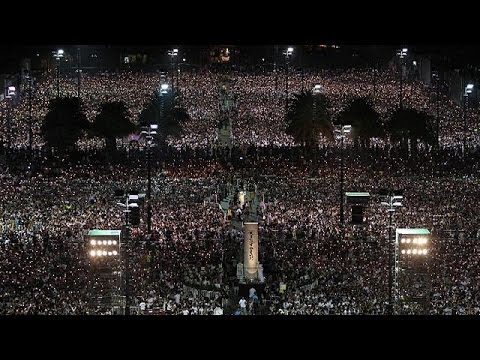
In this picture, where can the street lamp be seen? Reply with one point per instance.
(393, 200)
(342, 131)
(58, 55)
(467, 92)
(148, 132)
(402, 53)
(128, 205)
(288, 53)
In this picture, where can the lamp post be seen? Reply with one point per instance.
(342, 131)
(467, 92)
(173, 55)
(78, 73)
(148, 133)
(317, 90)
(288, 53)
(58, 55)
(29, 79)
(401, 54)
(10, 93)
(127, 205)
(393, 201)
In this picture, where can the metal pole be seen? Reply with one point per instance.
(342, 219)
(286, 85)
(58, 79)
(401, 84)
(390, 261)
(30, 131)
(149, 169)
(127, 265)
(437, 110)
(465, 97)
(275, 67)
(78, 73)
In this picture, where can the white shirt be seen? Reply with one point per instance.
(243, 303)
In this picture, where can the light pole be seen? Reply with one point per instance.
(58, 55)
(10, 93)
(78, 73)
(173, 54)
(342, 131)
(317, 90)
(149, 132)
(393, 201)
(467, 92)
(129, 204)
(401, 54)
(29, 79)
(287, 54)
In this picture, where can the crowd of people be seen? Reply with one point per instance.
(188, 264)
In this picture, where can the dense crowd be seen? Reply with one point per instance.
(260, 104)
(188, 264)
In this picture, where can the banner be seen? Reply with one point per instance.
(251, 251)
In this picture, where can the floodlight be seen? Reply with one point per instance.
(154, 126)
(397, 204)
(402, 241)
(404, 50)
(114, 242)
(109, 242)
(469, 86)
(92, 253)
(60, 52)
(114, 252)
(409, 252)
(109, 253)
(93, 242)
(403, 251)
(290, 49)
(104, 252)
(164, 86)
(414, 251)
(99, 252)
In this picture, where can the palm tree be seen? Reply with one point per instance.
(309, 117)
(161, 110)
(112, 122)
(363, 117)
(64, 123)
(413, 125)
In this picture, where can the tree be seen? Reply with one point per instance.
(309, 117)
(410, 124)
(113, 121)
(161, 110)
(64, 123)
(364, 119)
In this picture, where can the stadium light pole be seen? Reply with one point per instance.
(402, 53)
(393, 200)
(130, 203)
(317, 90)
(342, 131)
(10, 94)
(173, 55)
(149, 132)
(467, 92)
(30, 130)
(288, 53)
(58, 55)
